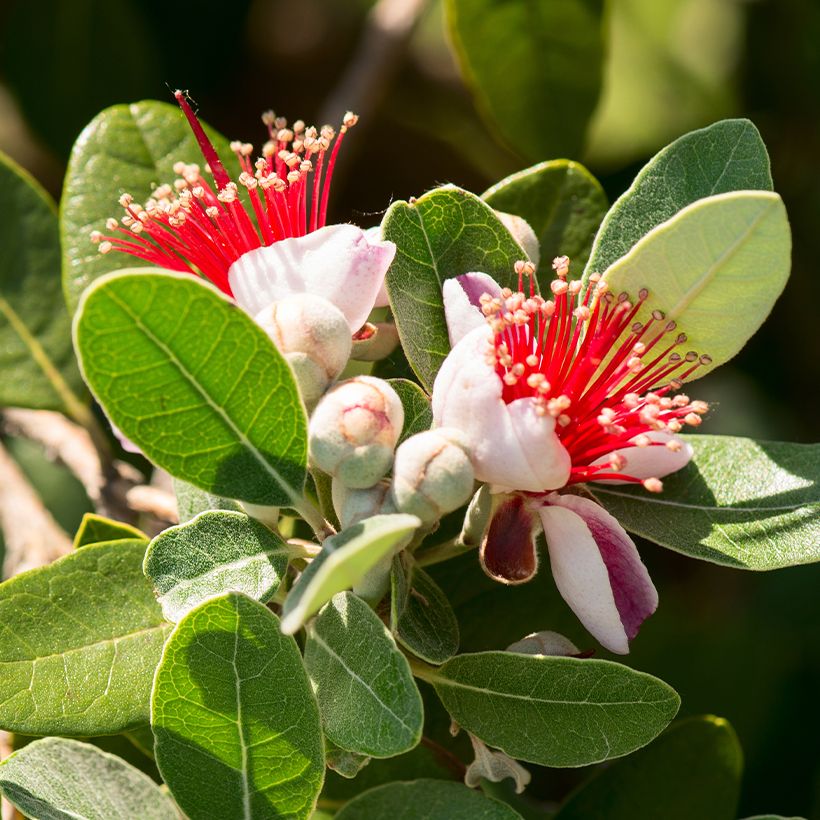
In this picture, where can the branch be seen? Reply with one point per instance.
(33, 538)
(387, 31)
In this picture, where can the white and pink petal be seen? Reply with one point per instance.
(337, 262)
(597, 569)
(462, 303)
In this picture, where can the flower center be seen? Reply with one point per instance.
(584, 357)
(203, 227)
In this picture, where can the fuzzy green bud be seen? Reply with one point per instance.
(354, 430)
(314, 337)
(432, 474)
(353, 506)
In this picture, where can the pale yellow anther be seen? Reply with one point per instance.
(654, 485)
(105, 247)
(111, 224)
(561, 266)
(236, 146)
(563, 419)
(96, 237)
(532, 361)
(692, 419)
(639, 348)
(299, 127)
(284, 135)
(212, 212)
(582, 313)
(558, 286)
(700, 407)
(293, 177)
(675, 445)
(634, 364)
(631, 400)
(510, 379)
(268, 117)
(642, 441)
(125, 200)
(137, 227)
(279, 123)
(617, 461)
(350, 119)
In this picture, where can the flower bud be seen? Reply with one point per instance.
(314, 337)
(353, 506)
(432, 474)
(354, 430)
(375, 342)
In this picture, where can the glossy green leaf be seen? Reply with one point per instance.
(344, 561)
(124, 149)
(57, 779)
(726, 156)
(421, 617)
(442, 234)
(367, 697)
(94, 529)
(535, 68)
(80, 641)
(743, 503)
(562, 202)
(425, 800)
(195, 383)
(191, 501)
(692, 770)
(216, 552)
(236, 725)
(35, 337)
(716, 268)
(418, 414)
(554, 711)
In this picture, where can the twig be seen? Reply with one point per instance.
(72, 445)
(387, 31)
(33, 538)
(155, 501)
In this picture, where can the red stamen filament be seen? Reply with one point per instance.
(203, 229)
(584, 359)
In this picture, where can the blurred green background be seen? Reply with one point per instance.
(743, 646)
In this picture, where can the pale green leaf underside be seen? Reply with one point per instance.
(743, 503)
(79, 642)
(344, 561)
(692, 770)
(562, 202)
(124, 149)
(367, 697)
(442, 234)
(716, 268)
(425, 800)
(554, 711)
(193, 381)
(534, 67)
(60, 779)
(421, 617)
(726, 156)
(35, 331)
(236, 725)
(216, 552)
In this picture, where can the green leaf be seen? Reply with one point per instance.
(421, 617)
(191, 501)
(124, 149)
(35, 339)
(442, 234)
(218, 406)
(726, 156)
(716, 268)
(534, 66)
(554, 711)
(692, 770)
(214, 553)
(236, 725)
(418, 414)
(563, 203)
(367, 697)
(56, 778)
(344, 561)
(743, 503)
(80, 641)
(95, 529)
(425, 800)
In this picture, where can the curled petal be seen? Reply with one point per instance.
(508, 553)
(461, 303)
(654, 461)
(597, 569)
(337, 262)
(512, 447)
(373, 235)
(523, 234)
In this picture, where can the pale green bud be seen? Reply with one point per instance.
(375, 342)
(432, 474)
(354, 430)
(314, 337)
(353, 505)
